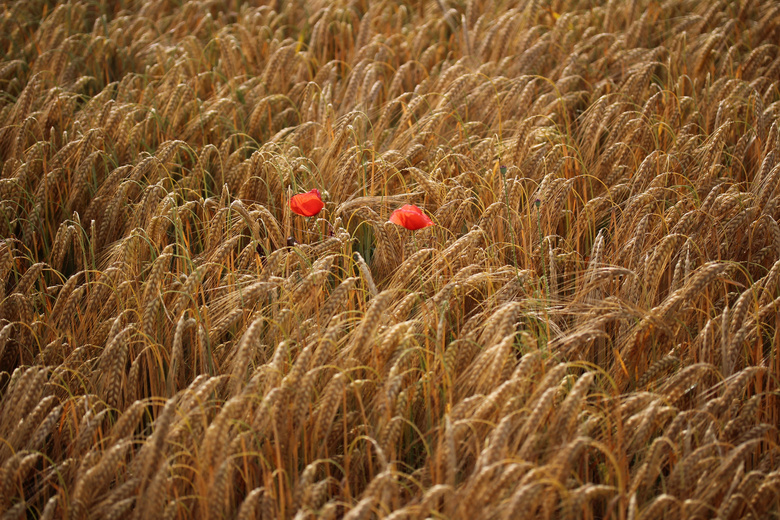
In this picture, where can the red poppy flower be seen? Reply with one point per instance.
(410, 217)
(307, 204)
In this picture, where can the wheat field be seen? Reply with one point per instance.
(589, 330)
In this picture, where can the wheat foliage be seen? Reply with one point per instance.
(590, 330)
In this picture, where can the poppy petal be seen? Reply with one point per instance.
(307, 204)
(410, 217)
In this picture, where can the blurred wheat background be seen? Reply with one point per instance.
(590, 330)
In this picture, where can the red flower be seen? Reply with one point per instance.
(410, 217)
(307, 204)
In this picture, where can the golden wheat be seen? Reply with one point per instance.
(588, 331)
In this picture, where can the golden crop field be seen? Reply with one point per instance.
(589, 330)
